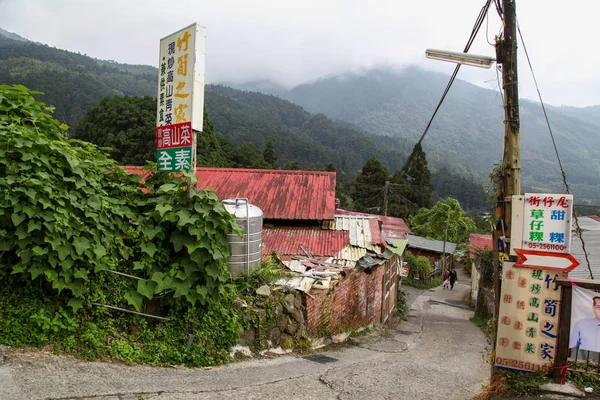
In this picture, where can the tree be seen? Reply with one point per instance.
(249, 156)
(445, 215)
(369, 187)
(418, 177)
(270, 156)
(127, 125)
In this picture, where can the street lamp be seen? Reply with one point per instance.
(460, 58)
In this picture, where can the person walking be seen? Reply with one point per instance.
(453, 278)
(446, 280)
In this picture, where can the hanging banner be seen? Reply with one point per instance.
(180, 105)
(585, 320)
(528, 318)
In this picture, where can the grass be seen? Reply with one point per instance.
(419, 284)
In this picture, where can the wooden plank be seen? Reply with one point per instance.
(564, 328)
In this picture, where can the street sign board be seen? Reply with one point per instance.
(180, 105)
(528, 318)
(547, 222)
(542, 259)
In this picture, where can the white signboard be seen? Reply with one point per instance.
(528, 318)
(547, 222)
(180, 105)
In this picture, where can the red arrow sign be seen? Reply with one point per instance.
(563, 262)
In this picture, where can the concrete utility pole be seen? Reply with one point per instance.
(506, 54)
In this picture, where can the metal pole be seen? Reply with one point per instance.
(385, 197)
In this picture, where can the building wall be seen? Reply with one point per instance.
(353, 303)
(475, 276)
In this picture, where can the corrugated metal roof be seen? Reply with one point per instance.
(392, 227)
(287, 240)
(287, 195)
(419, 242)
(591, 237)
(349, 255)
(479, 242)
(397, 245)
(364, 231)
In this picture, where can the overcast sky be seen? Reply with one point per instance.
(294, 41)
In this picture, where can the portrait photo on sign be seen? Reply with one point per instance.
(585, 320)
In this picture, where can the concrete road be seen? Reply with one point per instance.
(437, 354)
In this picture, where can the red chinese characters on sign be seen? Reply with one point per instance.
(174, 135)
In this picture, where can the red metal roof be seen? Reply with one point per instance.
(286, 195)
(392, 227)
(286, 240)
(479, 242)
(595, 218)
(291, 195)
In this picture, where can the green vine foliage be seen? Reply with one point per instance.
(68, 213)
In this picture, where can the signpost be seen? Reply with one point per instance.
(180, 105)
(547, 260)
(530, 295)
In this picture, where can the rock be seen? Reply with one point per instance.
(298, 303)
(3, 353)
(288, 303)
(263, 291)
(237, 351)
(340, 338)
(262, 315)
(298, 315)
(286, 341)
(567, 389)
(291, 328)
(282, 322)
(248, 337)
(275, 336)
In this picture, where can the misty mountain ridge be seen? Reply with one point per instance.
(468, 128)
(466, 136)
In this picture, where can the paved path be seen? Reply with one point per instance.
(437, 354)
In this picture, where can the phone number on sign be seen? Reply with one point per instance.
(546, 246)
(508, 362)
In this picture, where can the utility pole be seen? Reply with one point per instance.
(506, 54)
(386, 190)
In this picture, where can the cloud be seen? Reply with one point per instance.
(292, 41)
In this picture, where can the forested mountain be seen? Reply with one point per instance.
(244, 122)
(71, 82)
(469, 126)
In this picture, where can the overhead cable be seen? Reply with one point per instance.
(474, 31)
(579, 231)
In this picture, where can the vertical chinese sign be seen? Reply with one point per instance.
(180, 105)
(547, 222)
(528, 318)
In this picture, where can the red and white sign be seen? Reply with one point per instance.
(176, 135)
(546, 260)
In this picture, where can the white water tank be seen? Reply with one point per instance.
(246, 252)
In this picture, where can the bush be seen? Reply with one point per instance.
(419, 267)
(69, 213)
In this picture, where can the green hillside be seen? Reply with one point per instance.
(468, 127)
(244, 122)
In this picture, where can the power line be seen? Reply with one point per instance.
(475, 30)
(564, 176)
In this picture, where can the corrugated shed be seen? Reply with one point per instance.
(287, 241)
(479, 242)
(364, 231)
(419, 242)
(284, 195)
(397, 246)
(392, 227)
